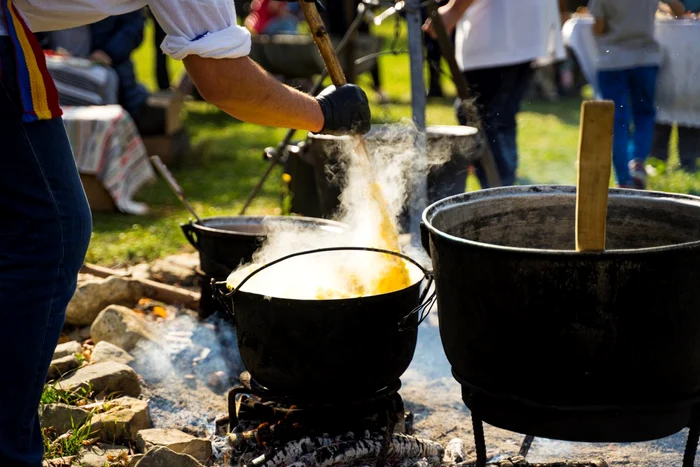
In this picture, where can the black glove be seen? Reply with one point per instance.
(345, 109)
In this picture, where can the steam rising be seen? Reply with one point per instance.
(393, 164)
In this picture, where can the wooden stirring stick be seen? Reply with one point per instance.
(594, 165)
(335, 71)
(325, 46)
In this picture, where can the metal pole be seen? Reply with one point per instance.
(419, 185)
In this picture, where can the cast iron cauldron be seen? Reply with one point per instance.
(328, 350)
(455, 145)
(559, 344)
(224, 243)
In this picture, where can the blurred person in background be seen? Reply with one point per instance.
(339, 16)
(433, 55)
(46, 217)
(498, 66)
(272, 17)
(113, 40)
(628, 65)
(688, 137)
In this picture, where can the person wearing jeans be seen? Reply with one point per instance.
(44, 236)
(46, 223)
(497, 65)
(628, 65)
(633, 92)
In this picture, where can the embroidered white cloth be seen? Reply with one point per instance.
(678, 88)
(107, 144)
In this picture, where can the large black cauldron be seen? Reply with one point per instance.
(327, 350)
(559, 344)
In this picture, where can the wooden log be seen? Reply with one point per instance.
(162, 292)
(325, 452)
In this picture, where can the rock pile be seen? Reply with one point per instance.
(93, 398)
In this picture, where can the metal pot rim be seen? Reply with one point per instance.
(261, 219)
(431, 211)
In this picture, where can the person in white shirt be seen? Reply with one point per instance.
(496, 43)
(45, 221)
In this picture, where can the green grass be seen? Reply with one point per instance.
(68, 444)
(230, 163)
(53, 395)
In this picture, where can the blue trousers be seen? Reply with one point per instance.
(498, 93)
(633, 91)
(45, 227)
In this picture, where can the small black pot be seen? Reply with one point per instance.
(328, 350)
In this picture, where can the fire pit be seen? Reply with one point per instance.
(282, 431)
(606, 358)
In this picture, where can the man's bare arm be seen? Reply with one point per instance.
(241, 88)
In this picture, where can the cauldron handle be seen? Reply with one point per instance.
(223, 298)
(427, 299)
(188, 230)
(425, 237)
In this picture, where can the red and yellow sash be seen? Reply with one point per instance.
(37, 89)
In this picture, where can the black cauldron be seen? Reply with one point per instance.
(546, 341)
(328, 350)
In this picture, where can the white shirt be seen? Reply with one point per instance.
(195, 27)
(495, 33)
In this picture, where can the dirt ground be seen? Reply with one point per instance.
(435, 398)
(430, 392)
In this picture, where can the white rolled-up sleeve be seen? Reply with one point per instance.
(206, 28)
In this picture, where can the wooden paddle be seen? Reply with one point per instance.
(594, 166)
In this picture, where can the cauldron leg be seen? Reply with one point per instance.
(479, 441)
(526, 445)
(391, 420)
(232, 415)
(691, 445)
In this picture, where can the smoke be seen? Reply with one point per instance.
(188, 370)
(392, 164)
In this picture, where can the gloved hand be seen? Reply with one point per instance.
(345, 109)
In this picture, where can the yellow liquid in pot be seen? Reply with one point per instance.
(394, 273)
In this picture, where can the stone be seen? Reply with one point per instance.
(133, 460)
(62, 366)
(175, 440)
(94, 294)
(102, 455)
(141, 271)
(164, 457)
(122, 327)
(108, 378)
(61, 417)
(107, 352)
(186, 260)
(69, 348)
(164, 270)
(122, 421)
